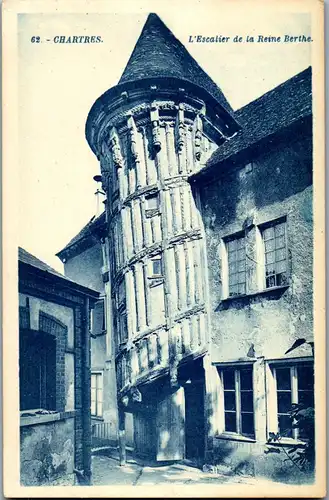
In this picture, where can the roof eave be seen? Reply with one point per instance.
(65, 282)
(210, 171)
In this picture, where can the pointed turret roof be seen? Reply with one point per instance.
(159, 59)
(158, 53)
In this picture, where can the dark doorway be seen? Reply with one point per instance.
(194, 419)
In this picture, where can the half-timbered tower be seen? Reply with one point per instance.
(150, 132)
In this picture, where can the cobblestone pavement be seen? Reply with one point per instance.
(106, 470)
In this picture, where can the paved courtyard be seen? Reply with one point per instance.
(107, 471)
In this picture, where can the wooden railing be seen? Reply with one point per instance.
(103, 434)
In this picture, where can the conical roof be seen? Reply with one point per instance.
(158, 53)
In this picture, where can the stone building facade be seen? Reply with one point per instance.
(256, 197)
(208, 233)
(54, 375)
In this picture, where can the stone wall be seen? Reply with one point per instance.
(276, 184)
(260, 326)
(47, 453)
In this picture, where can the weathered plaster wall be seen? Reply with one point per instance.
(278, 183)
(263, 326)
(47, 453)
(60, 312)
(85, 268)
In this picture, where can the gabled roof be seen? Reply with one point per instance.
(28, 259)
(277, 109)
(88, 231)
(158, 53)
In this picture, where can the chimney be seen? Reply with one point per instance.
(100, 195)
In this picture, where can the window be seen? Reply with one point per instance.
(238, 400)
(122, 326)
(152, 205)
(98, 318)
(294, 385)
(275, 251)
(156, 266)
(37, 370)
(97, 394)
(236, 256)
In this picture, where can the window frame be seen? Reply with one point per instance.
(103, 331)
(237, 391)
(157, 257)
(226, 265)
(98, 374)
(151, 212)
(262, 227)
(272, 393)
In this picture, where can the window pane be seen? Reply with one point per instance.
(99, 381)
(269, 258)
(240, 243)
(99, 409)
(269, 245)
(279, 229)
(285, 425)
(93, 381)
(268, 233)
(241, 254)
(241, 288)
(280, 242)
(281, 279)
(280, 254)
(247, 422)
(231, 245)
(281, 266)
(284, 402)
(247, 401)
(232, 267)
(156, 266)
(241, 278)
(233, 290)
(283, 381)
(93, 408)
(306, 398)
(233, 279)
(152, 202)
(246, 379)
(229, 400)
(270, 269)
(228, 376)
(230, 421)
(305, 377)
(270, 281)
(100, 395)
(242, 266)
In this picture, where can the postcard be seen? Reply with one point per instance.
(164, 297)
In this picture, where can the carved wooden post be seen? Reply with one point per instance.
(122, 436)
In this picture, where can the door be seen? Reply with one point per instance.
(170, 427)
(194, 420)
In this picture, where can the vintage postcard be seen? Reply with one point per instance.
(164, 305)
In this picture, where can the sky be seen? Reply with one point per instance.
(58, 83)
